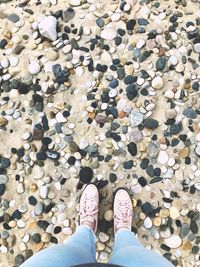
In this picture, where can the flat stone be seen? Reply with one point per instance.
(75, 2)
(148, 223)
(3, 179)
(68, 14)
(108, 34)
(100, 22)
(136, 118)
(47, 28)
(152, 150)
(39, 207)
(136, 136)
(34, 67)
(3, 121)
(157, 83)
(174, 213)
(2, 189)
(37, 172)
(5, 162)
(43, 190)
(160, 64)
(163, 157)
(184, 152)
(103, 237)
(197, 48)
(190, 113)
(173, 241)
(108, 215)
(13, 17)
(185, 229)
(150, 123)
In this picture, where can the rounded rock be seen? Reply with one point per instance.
(157, 83)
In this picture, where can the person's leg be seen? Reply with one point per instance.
(79, 249)
(129, 252)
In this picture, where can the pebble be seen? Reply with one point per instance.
(103, 237)
(3, 179)
(160, 64)
(39, 208)
(13, 17)
(157, 83)
(43, 191)
(148, 223)
(108, 34)
(190, 113)
(197, 48)
(150, 123)
(47, 28)
(174, 213)
(4, 63)
(185, 229)
(34, 67)
(173, 241)
(163, 157)
(136, 118)
(85, 175)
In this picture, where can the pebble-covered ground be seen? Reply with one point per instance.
(102, 91)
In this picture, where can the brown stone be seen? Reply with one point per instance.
(157, 221)
(46, 237)
(121, 114)
(134, 202)
(91, 115)
(31, 225)
(33, 187)
(164, 213)
(161, 52)
(184, 152)
(186, 245)
(187, 86)
(38, 247)
(3, 121)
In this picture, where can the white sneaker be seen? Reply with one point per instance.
(89, 207)
(123, 210)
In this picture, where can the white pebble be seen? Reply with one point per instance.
(148, 223)
(4, 63)
(79, 71)
(140, 43)
(34, 67)
(173, 241)
(60, 118)
(66, 49)
(163, 157)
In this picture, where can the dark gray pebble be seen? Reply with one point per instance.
(185, 229)
(100, 22)
(19, 259)
(2, 189)
(13, 17)
(190, 113)
(160, 64)
(5, 162)
(175, 128)
(68, 14)
(132, 148)
(150, 123)
(36, 238)
(85, 175)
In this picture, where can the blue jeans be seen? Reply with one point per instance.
(80, 249)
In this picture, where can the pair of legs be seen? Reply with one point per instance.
(80, 247)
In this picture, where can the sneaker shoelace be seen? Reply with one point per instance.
(122, 214)
(88, 209)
